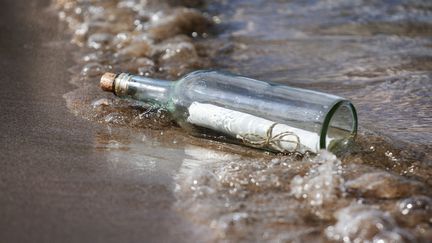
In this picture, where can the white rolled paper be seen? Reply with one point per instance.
(253, 130)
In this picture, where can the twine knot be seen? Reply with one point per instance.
(270, 140)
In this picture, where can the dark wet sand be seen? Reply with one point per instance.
(54, 184)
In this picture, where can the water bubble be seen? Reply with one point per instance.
(92, 70)
(90, 57)
(78, 10)
(115, 118)
(275, 161)
(121, 40)
(95, 10)
(234, 166)
(144, 72)
(126, 4)
(361, 223)
(99, 40)
(80, 34)
(140, 65)
(416, 210)
(390, 155)
(136, 49)
(217, 19)
(175, 51)
(62, 15)
(101, 102)
(232, 221)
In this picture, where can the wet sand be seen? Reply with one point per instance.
(55, 184)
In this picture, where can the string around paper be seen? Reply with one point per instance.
(271, 141)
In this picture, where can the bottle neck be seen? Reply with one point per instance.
(155, 91)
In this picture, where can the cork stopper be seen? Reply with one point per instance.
(107, 82)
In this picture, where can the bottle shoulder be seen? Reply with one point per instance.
(191, 81)
(195, 76)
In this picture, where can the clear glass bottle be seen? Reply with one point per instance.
(259, 114)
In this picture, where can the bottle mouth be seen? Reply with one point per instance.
(121, 84)
(340, 125)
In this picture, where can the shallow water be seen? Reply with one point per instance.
(376, 53)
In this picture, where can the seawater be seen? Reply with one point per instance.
(376, 53)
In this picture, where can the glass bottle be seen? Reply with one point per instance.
(259, 114)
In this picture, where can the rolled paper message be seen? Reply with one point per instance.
(252, 130)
